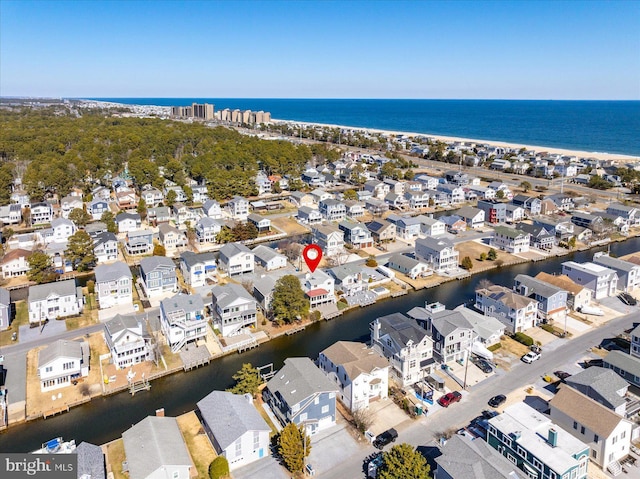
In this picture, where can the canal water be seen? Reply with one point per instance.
(104, 419)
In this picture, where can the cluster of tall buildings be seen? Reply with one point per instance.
(205, 111)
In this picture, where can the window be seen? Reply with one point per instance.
(316, 401)
(581, 429)
(575, 425)
(594, 454)
(512, 459)
(256, 439)
(303, 417)
(325, 409)
(623, 434)
(238, 447)
(176, 474)
(596, 439)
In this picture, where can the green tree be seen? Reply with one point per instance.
(500, 194)
(248, 380)
(219, 468)
(159, 250)
(170, 198)
(294, 446)
(572, 242)
(350, 195)
(225, 236)
(80, 217)
(110, 220)
(6, 181)
(403, 462)
(142, 209)
(91, 286)
(526, 186)
(467, 263)
(492, 254)
(40, 268)
(289, 302)
(371, 262)
(80, 251)
(483, 256)
(276, 188)
(409, 175)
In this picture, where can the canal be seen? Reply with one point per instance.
(105, 418)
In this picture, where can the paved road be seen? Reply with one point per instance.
(556, 356)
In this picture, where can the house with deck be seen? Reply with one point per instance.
(233, 309)
(518, 313)
(62, 363)
(128, 340)
(197, 268)
(51, 301)
(114, 284)
(552, 300)
(439, 253)
(158, 276)
(183, 320)
(236, 258)
(510, 240)
(602, 281)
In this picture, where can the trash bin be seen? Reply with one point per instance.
(418, 410)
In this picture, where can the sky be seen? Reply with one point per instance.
(321, 49)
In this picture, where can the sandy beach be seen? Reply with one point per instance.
(450, 139)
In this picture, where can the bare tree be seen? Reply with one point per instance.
(362, 419)
(484, 283)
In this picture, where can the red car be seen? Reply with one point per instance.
(449, 398)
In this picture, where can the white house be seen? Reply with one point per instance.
(182, 320)
(361, 373)
(233, 309)
(628, 272)
(600, 280)
(61, 363)
(14, 263)
(329, 238)
(239, 208)
(511, 240)
(128, 340)
(318, 287)
(41, 213)
(105, 247)
(207, 229)
(409, 266)
(518, 313)
(212, 209)
(113, 284)
(197, 267)
(128, 222)
(431, 226)
(51, 301)
(474, 217)
(236, 258)
(269, 258)
(171, 237)
(70, 203)
(439, 254)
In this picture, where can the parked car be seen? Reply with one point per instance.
(309, 470)
(484, 365)
(389, 436)
(562, 375)
(496, 401)
(530, 357)
(627, 299)
(449, 398)
(374, 464)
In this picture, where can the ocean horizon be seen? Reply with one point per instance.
(597, 126)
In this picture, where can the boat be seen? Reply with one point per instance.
(57, 446)
(592, 310)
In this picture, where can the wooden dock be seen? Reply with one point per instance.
(196, 364)
(295, 330)
(142, 385)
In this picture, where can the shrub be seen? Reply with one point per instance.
(523, 339)
(494, 347)
(371, 262)
(91, 286)
(548, 328)
(219, 468)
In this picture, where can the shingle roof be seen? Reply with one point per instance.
(61, 288)
(153, 443)
(468, 212)
(615, 263)
(191, 259)
(561, 281)
(183, 302)
(298, 379)
(149, 264)
(404, 261)
(112, 272)
(446, 322)
(15, 254)
(264, 253)
(356, 358)
(537, 286)
(5, 297)
(90, 461)
(506, 296)
(509, 232)
(228, 293)
(435, 244)
(60, 349)
(602, 381)
(401, 329)
(119, 324)
(232, 249)
(229, 416)
(623, 361)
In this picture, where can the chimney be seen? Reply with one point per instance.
(160, 412)
(553, 437)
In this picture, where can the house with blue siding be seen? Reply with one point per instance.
(552, 300)
(158, 274)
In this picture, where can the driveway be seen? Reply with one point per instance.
(265, 468)
(333, 446)
(49, 330)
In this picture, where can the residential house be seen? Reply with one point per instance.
(332, 210)
(607, 434)
(602, 385)
(628, 273)
(530, 203)
(482, 192)
(487, 328)
(474, 217)
(105, 247)
(382, 231)
(408, 266)
(102, 193)
(536, 445)
(439, 253)
(588, 220)
(97, 207)
(396, 202)
(128, 340)
(630, 214)
(91, 461)
(171, 237)
(235, 427)
(494, 211)
(300, 393)
(395, 186)
(14, 263)
(10, 214)
(62, 363)
(518, 313)
(154, 448)
(263, 291)
(139, 242)
(70, 203)
(200, 193)
(514, 213)
(539, 236)
(20, 198)
(197, 267)
(269, 258)
(428, 182)
(379, 189)
(431, 226)
(407, 346)
(356, 234)
(552, 300)
(309, 216)
(455, 194)
(51, 301)
(233, 309)
(114, 284)
(625, 365)
(181, 196)
(452, 334)
(41, 213)
(236, 258)
(407, 227)
(312, 178)
(417, 199)
(151, 196)
(128, 222)
(5, 309)
(95, 228)
(456, 177)
(126, 199)
(300, 199)
(562, 202)
(600, 280)
(182, 320)
(158, 275)
(500, 164)
(318, 287)
(239, 208)
(510, 240)
(355, 209)
(376, 207)
(329, 238)
(212, 209)
(207, 229)
(577, 296)
(362, 375)
(348, 277)
(635, 342)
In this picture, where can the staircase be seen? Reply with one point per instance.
(614, 468)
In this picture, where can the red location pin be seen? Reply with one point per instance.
(312, 255)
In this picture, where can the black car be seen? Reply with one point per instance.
(484, 365)
(496, 401)
(627, 299)
(562, 375)
(390, 435)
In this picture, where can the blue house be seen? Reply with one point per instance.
(158, 273)
(552, 300)
(300, 393)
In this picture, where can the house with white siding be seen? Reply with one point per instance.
(51, 301)
(114, 284)
(197, 267)
(601, 281)
(269, 258)
(105, 247)
(236, 258)
(128, 340)
(518, 313)
(61, 363)
(207, 229)
(233, 309)
(510, 240)
(183, 320)
(439, 253)
(628, 272)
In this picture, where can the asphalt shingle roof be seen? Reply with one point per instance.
(298, 379)
(112, 272)
(604, 382)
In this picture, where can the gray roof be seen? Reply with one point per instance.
(60, 349)
(228, 293)
(537, 286)
(96, 227)
(103, 237)
(298, 379)
(207, 222)
(90, 461)
(343, 271)
(509, 232)
(183, 302)
(121, 323)
(152, 443)
(604, 382)
(151, 263)
(191, 259)
(401, 329)
(229, 416)
(256, 217)
(623, 361)
(468, 212)
(446, 322)
(404, 261)
(40, 292)
(264, 253)
(112, 272)
(435, 244)
(463, 458)
(165, 228)
(265, 285)
(615, 263)
(377, 226)
(232, 249)
(307, 210)
(5, 297)
(127, 216)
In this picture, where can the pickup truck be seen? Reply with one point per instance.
(390, 435)
(449, 398)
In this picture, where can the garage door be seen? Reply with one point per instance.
(325, 422)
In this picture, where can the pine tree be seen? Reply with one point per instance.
(492, 255)
(291, 447)
(248, 380)
(467, 263)
(289, 302)
(108, 219)
(40, 268)
(80, 251)
(79, 216)
(403, 462)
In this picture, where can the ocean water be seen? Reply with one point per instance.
(593, 126)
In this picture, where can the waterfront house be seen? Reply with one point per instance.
(239, 208)
(562, 202)
(379, 189)
(207, 229)
(482, 192)
(428, 182)
(407, 227)
(269, 258)
(396, 202)
(635, 342)
(514, 213)
(41, 213)
(154, 449)
(530, 203)
(105, 247)
(439, 254)
(309, 216)
(233, 309)
(128, 222)
(552, 300)
(628, 273)
(348, 278)
(539, 236)
(5, 309)
(197, 267)
(588, 220)
(407, 346)
(158, 275)
(61, 363)
(603, 385)
(171, 237)
(182, 320)
(577, 295)
(70, 203)
(607, 434)
(518, 313)
(355, 209)
(97, 207)
(356, 234)
(510, 240)
(494, 211)
(114, 284)
(318, 287)
(417, 199)
(139, 242)
(332, 210)
(263, 291)
(625, 365)
(128, 340)
(51, 301)
(375, 206)
(15, 263)
(234, 427)
(454, 194)
(362, 375)
(474, 217)
(411, 267)
(236, 258)
(536, 445)
(431, 226)
(382, 231)
(329, 238)
(600, 280)
(300, 393)
(262, 224)
(630, 214)
(452, 334)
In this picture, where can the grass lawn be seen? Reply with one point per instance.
(87, 318)
(21, 319)
(173, 360)
(115, 458)
(197, 441)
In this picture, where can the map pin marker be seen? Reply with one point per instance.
(312, 255)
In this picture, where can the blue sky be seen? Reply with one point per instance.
(306, 49)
